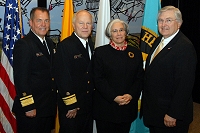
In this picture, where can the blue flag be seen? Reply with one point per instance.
(149, 31)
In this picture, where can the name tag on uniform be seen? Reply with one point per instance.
(39, 54)
(77, 56)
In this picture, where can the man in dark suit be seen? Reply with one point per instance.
(35, 103)
(74, 77)
(169, 77)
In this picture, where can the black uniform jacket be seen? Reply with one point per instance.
(33, 77)
(168, 82)
(74, 75)
(117, 73)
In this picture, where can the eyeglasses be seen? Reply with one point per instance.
(116, 31)
(168, 21)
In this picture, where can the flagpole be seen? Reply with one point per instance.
(178, 3)
(20, 18)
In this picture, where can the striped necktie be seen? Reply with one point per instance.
(46, 47)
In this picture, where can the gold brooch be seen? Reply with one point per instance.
(130, 54)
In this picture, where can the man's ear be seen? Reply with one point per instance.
(73, 25)
(30, 22)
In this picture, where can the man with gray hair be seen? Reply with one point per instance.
(169, 77)
(74, 77)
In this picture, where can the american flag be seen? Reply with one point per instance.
(11, 33)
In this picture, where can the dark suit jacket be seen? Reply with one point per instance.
(74, 75)
(117, 73)
(168, 82)
(33, 77)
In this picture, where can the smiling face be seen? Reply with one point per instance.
(83, 24)
(40, 23)
(118, 33)
(165, 27)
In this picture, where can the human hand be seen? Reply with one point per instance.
(119, 99)
(169, 121)
(123, 100)
(31, 113)
(72, 113)
(127, 98)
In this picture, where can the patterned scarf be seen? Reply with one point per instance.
(122, 48)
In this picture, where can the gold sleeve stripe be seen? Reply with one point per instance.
(27, 102)
(70, 99)
(25, 97)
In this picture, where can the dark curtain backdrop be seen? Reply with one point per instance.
(191, 28)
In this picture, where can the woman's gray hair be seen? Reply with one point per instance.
(176, 11)
(110, 24)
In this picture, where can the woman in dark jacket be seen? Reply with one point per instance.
(118, 71)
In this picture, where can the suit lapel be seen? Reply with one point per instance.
(91, 45)
(39, 45)
(151, 52)
(51, 48)
(81, 48)
(162, 53)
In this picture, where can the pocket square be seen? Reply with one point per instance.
(77, 56)
(39, 54)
